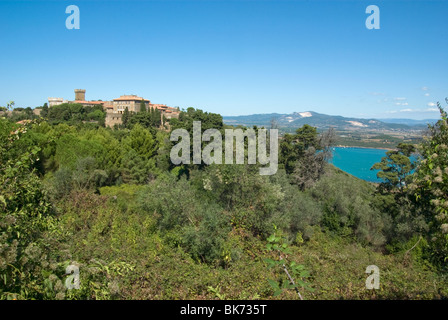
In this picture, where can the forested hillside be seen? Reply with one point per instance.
(110, 201)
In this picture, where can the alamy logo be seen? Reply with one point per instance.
(212, 152)
(72, 21)
(373, 281)
(373, 21)
(72, 281)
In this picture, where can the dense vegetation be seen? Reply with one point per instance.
(111, 202)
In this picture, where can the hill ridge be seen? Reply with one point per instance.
(325, 121)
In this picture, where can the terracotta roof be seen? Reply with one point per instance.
(158, 106)
(130, 98)
(88, 102)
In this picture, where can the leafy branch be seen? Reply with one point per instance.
(291, 269)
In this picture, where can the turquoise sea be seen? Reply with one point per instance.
(358, 161)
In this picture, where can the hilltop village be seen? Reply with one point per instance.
(114, 109)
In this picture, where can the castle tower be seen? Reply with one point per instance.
(80, 94)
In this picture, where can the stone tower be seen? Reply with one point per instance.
(80, 94)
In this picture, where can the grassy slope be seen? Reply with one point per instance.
(105, 227)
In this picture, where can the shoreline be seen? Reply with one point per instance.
(380, 148)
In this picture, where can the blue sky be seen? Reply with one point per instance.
(231, 57)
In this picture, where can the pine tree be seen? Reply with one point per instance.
(125, 117)
(44, 111)
(143, 106)
(395, 168)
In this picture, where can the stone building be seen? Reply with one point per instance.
(80, 98)
(113, 118)
(114, 109)
(167, 112)
(132, 102)
(80, 95)
(55, 101)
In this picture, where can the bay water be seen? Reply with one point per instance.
(358, 161)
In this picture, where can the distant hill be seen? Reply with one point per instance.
(324, 121)
(410, 122)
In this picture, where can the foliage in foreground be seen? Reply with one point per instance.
(109, 202)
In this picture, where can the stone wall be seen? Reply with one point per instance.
(113, 119)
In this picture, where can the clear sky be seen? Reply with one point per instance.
(231, 57)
